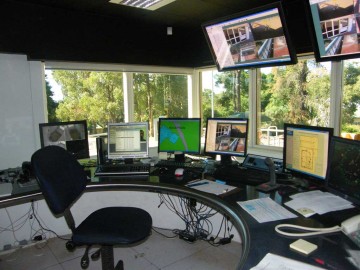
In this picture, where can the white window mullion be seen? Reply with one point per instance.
(128, 96)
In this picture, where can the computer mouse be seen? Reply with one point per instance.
(179, 172)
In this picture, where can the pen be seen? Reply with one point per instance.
(324, 263)
(197, 184)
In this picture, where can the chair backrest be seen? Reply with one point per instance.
(60, 176)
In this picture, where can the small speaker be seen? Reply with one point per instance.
(100, 151)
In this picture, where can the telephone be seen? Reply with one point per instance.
(350, 225)
(351, 228)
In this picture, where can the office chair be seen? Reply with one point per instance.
(62, 180)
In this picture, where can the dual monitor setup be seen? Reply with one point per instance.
(310, 152)
(260, 37)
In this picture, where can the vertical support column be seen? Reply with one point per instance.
(193, 95)
(128, 85)
(336, 95)
(254, 118)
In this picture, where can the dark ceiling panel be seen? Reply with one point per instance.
(99, 31)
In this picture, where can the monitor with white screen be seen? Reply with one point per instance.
(306, 150)
(128, 140)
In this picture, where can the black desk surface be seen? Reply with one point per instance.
(263, 238)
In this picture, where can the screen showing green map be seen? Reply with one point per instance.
(179, 135)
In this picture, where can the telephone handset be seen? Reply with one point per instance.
(351, 227)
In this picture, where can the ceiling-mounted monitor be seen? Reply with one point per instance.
(253, 38)
(335, 28)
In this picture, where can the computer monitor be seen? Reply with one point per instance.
(72, 135)
(253, 38)
(343, 175)
(306, 150)
(226, 137)
(335, 28)
(179, 136)
(128, 141)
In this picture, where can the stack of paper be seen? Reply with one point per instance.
(276, 262)
(210, 186)
(317, 202)
(265, 210)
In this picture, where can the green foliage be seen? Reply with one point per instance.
(350, 128)
(94, 96)
(159, 95)
(351, 93)
(233, 99)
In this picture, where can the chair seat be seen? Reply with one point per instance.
(114, 226)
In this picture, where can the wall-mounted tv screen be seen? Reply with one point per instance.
(72, 136)
(254, 38)
(335, 28)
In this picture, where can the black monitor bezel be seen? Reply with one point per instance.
(331, 188)
(182, 119)
(227, 154)
(67, 123)
(315, 43)
(309, 177)
(259, 64)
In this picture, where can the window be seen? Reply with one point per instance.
(225, 94)
(298, 94)
(158, 95)
(101, 97)
(350, 110)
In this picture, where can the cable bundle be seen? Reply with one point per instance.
(196, 217)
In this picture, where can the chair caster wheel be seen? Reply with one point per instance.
(70, 246)
(84, 262)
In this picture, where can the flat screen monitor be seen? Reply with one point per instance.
(335, 28)
(254, 38)
(343, 177)
(306, 150)
(179, 136)
(72, 136)
(128, 141)
(226, 137)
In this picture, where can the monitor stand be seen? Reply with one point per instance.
(225, 160)
(129, 161)
(179, 157)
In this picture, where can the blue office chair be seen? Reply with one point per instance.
(62, 180)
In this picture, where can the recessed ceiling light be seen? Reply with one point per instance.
(146, 4)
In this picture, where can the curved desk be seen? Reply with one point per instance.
(258, 239)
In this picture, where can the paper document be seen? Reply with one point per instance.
(276, 262)
(210, 186)
(317, 202)
(265, 210)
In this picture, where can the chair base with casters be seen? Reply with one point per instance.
(62, 180)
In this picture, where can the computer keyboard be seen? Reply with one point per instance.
(171, 164)
(122, 169)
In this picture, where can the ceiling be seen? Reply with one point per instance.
(99, 31)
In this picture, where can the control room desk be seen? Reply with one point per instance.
(260, 238)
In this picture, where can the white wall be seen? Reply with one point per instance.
(21, 108)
